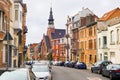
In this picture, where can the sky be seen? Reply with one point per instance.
(38, 14)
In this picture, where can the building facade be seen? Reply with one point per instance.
(108, 36)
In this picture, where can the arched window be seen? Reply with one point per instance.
(112, 37)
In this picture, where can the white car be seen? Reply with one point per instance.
(42, 72)
(19, 74)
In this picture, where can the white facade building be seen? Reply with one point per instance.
(114, 42)
(108, 37)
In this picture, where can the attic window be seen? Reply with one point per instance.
(59, 33)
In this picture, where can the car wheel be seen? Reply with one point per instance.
(103, 74)
(91, 70)
(111, 78)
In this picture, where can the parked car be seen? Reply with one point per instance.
(61, 63)
(72, 64)
(55, 63)
(42, 72)
(80, 65)
(112, 71)
(98, 66)
(19, 74)
(66, 64)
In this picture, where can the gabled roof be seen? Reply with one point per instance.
(107, 15)
(47, 40)
(59, 33)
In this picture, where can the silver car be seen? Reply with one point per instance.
(42, 72)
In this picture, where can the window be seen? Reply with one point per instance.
(90, 31)
(94, 43)
(90, 44)
(2, 21)
(90, 58)
(4, 54)
(16, 14)
(94, 30)
(62, 40)
(118, 35)
(105, 56)
(112, 37)
(99, 42)
(104, 41)
(100, 57)
(21, 16)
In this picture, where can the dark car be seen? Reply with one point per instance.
(112, 71)
(98, 66)
(72, 64)
(66, 64)
(61, 63)
(80, 65)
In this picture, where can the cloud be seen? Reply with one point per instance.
(38, 13)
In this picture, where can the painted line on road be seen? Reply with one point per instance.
(93, 78)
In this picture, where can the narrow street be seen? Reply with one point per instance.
(65, 73)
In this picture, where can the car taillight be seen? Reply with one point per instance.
(117, 71)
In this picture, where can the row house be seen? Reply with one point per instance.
(87, 43)
(21, 28)
(62, 56)
(45, 43)
(4, 29)
(82, 26)
(108, 36)
(31, 52)
(37, 51)
(10, 34)
(69, 39)
(53, 42)
(58, 45)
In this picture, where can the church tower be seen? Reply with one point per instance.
(51, 27)
(51, 20)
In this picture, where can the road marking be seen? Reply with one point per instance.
(93, 78)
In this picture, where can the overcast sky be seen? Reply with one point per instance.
(38, 13)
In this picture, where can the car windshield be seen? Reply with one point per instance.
(15, 75)
(40, 68)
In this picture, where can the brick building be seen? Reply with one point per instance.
(51, 41)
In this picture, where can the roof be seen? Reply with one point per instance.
(59, 33)
(107, 15)
(47, 40)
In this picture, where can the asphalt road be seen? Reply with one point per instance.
(64, 73)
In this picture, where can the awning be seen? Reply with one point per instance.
(9, 36)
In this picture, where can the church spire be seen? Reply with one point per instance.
(51, 20)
